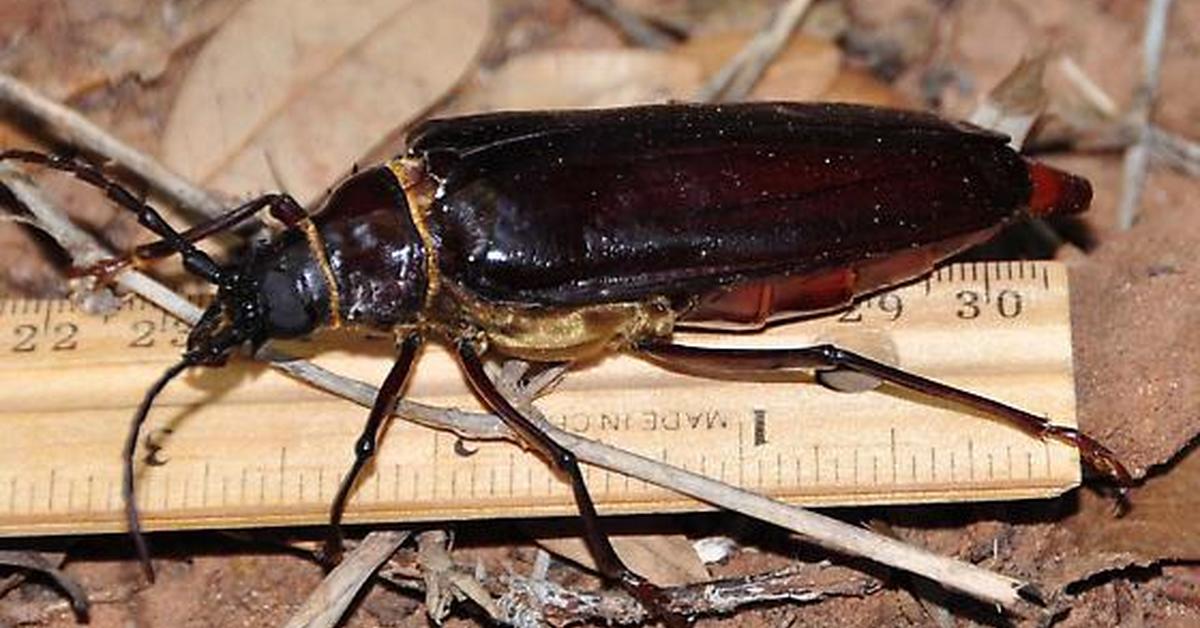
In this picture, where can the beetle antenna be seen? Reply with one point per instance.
(194, 260)
(135, 428)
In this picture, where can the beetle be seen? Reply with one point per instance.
(561, 235)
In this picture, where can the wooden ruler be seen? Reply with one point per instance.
(246, 446)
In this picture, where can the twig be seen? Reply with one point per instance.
(632, 25)
(1092, 93)
(738, 76)
(327, 603)
(527, 601)
(821, 530)
(67, 125)
(1133, 177)
(1176, 151)
(445, 581)
(1173, 149)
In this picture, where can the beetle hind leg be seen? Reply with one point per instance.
(827, 356)
(653, 598)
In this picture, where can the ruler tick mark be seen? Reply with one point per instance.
(817, 462)
(892, 442)
(971, 459)
(854, 474)
(396, 482)
(50, 492)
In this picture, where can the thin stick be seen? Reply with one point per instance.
(632, 25)
(739, 75)
(1137, 156)
(533, 601)
(67, 125)
(1175, 150)
(327, 603)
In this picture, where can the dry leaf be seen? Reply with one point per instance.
(1161, 525)
(595, 78)
(664, 559)
(803, 70)
(70, 46)
(808, 68)
(302, 88)
(859, 86)
(1135, 322)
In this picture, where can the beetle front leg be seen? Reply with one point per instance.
(1097, 456)
(650, 596)
(364, 448)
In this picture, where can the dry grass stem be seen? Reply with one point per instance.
(737, 77)
(633, 26)
(1137, 156)
(73, 129)
(327, 603)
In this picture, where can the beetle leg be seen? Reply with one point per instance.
(364, 447)
(611, 565)
(825, 356)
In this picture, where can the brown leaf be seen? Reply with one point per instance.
(1161, 524)
(664, 559)
(803, 70)
(808, 68)
(302, 88)
(592, 78)
(1136, 325)
(859, 86)
(70, 46)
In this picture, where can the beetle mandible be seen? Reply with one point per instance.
(559, 235)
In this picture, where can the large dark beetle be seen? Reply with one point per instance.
(557, 235)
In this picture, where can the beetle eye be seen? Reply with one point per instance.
(287, 313)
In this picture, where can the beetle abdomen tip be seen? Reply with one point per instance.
(1056, 192)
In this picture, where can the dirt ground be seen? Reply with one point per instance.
(144, 70)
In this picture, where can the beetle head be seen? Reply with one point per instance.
(278, 293)
(234, 318)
